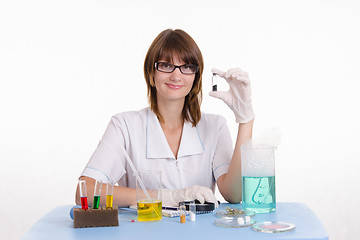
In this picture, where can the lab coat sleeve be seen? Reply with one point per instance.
(108, 162)
(223, 150)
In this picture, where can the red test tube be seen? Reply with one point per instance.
(83, 195)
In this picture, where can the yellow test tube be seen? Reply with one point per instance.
(109, 195)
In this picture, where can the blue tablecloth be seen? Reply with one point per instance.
(57, 224)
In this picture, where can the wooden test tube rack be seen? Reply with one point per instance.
(101, 217)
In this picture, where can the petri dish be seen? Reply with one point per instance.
(234, 212)
(273, 227)
(234, 222)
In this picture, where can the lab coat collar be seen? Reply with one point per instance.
(157, 145)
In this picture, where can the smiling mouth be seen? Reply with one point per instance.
(172, 86)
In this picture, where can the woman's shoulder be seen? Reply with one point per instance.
(212, 119)
(131, 116)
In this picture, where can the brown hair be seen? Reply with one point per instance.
(166, 45)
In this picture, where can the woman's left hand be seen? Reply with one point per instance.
(238, 97)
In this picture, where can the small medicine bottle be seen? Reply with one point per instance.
(192, 211)
(182, 210)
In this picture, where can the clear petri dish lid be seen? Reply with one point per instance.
(234, 212)
(235, 222)
(273, 227)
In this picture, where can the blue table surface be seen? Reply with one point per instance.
(57, 224)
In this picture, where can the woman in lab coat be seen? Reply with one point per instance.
(192, 149)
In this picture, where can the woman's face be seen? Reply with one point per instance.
(173, 86)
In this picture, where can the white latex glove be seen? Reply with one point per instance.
(171, 198)
(238, 98)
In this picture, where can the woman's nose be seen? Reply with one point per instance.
(176, 75)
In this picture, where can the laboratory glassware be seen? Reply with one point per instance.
(149, 205)
(83, 195)
(192, 211)
(182, 211)
(97, 194)
(273, 227)
(109, 194)
(214, 81)
(258, 178)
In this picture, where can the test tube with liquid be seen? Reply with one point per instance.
(182, 210)
(214, 81)
(83, 195)
(192, 209)
(97, 194)
(109, 195)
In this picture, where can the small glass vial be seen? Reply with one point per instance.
(214, 81)
(192, 209)
(182, 210)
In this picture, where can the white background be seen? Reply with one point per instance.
(67, 66)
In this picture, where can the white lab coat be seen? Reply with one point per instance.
(204, 154)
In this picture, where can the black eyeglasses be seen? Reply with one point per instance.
(169, 68)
